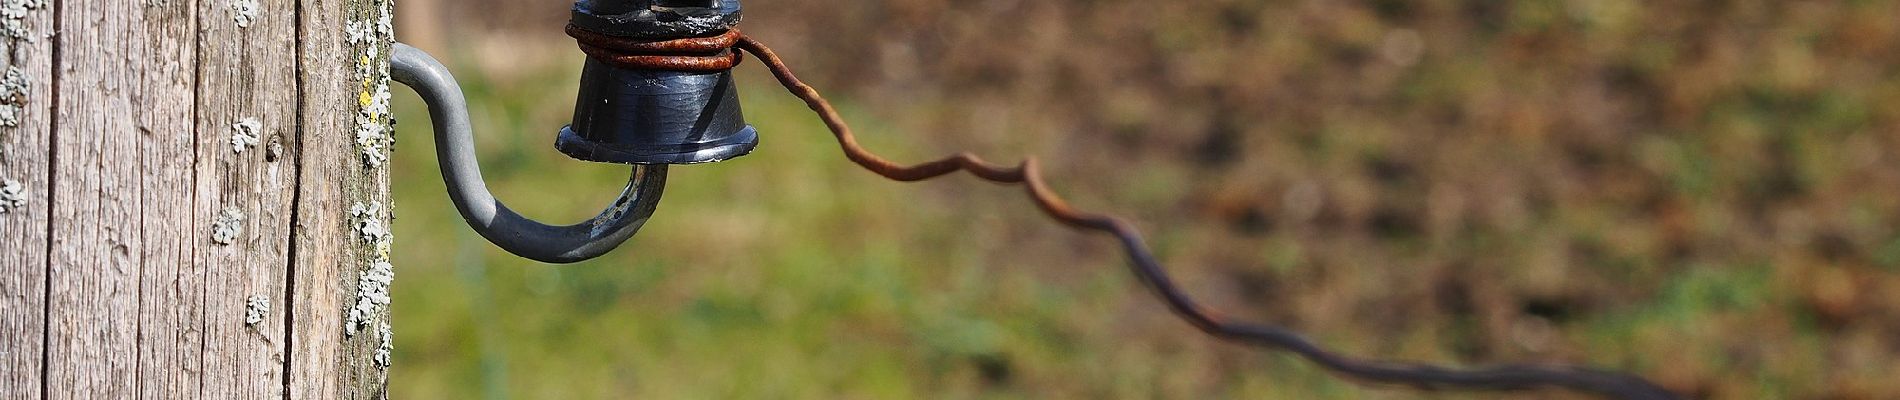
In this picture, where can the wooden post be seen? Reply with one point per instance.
(191, 199)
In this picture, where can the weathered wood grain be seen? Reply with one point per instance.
(317, 306)
(92, 320)
(333, 364)
(248, 73)
(25, 157)
(117, 279)
(170, 287)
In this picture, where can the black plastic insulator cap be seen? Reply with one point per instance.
(656, 117)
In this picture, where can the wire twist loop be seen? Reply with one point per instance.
(695, 54)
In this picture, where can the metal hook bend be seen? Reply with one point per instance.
(455, 152)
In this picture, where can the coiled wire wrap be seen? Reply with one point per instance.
(698, 54)
(711, 54)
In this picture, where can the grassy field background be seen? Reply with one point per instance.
(1702, 192)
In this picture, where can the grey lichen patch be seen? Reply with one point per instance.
(255, 309)
(370, 34)
(228, 227)
(13, 15)
(373, 139)
(13, 95)
(10, 115)
(244, 134)
(385, 344)
(361, 33)
(373, 285)
(369, 225)
(244, 12)
(12, 196)
(15, 84)
(374, 123)
(372, 293)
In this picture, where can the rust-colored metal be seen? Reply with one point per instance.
(1509, 377)
(707, 44)
(700, 54)
(665, 62)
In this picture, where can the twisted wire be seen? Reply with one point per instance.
(1504, 377)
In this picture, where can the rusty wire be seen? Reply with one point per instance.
(715, 53)
(698, 54)
(1506, 377)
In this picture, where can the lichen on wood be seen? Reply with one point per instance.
(13, 95)
(256, 308)
(373, 284)
(244, 12)
(369, 225)
(341, 280)
(228, 227)
(374, 34)
(13, 18)
(374, 121)
(244, 134)
(372, 294)
(12, 196)
(16, 84)
(385, 345)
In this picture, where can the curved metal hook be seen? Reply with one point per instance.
(455, 151)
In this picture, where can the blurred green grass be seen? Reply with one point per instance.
(1701, 192)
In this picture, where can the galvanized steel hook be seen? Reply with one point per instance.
(455, 151)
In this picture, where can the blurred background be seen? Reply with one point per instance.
(1702, 192)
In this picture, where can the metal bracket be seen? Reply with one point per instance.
(455, 152)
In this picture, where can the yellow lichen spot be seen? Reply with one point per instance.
(363, 98)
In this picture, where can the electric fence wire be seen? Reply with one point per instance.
(715, 53)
